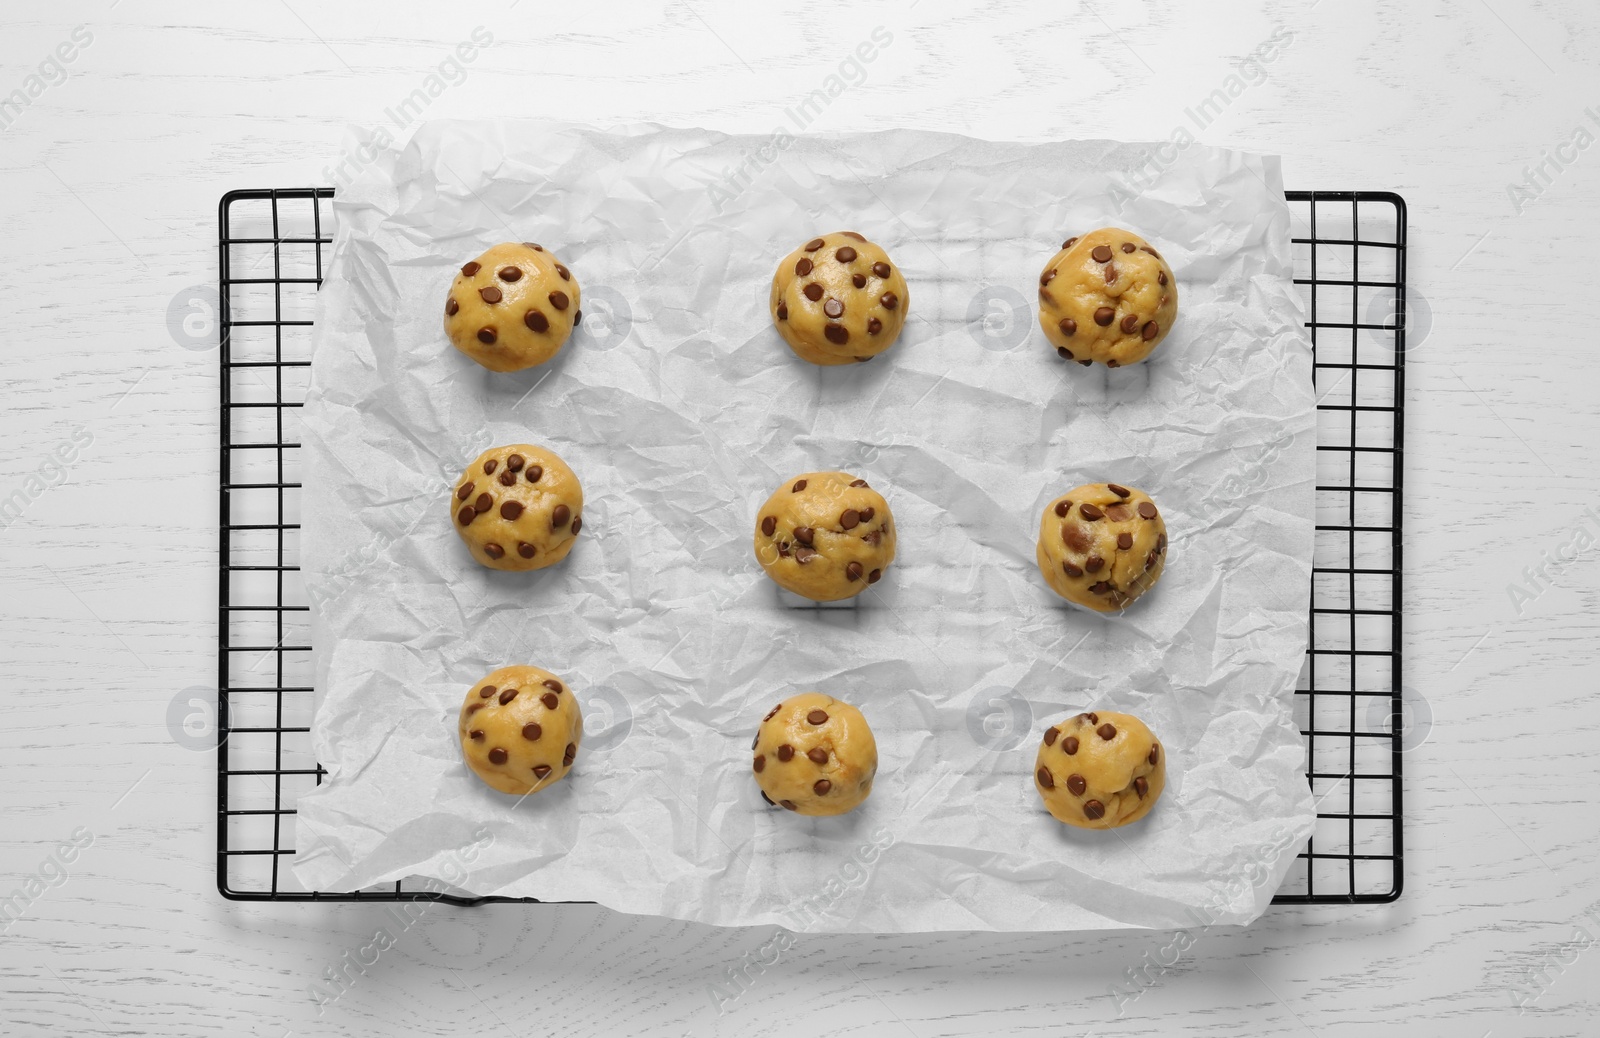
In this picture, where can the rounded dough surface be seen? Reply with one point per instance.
(837, 299)
(825, 536)
(1100, 770)
(520, 729)
(517, 507)
(1102, 545)
(1107, 297)
(512, 307)
(814, 755)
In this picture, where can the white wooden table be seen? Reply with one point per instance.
(109, 179)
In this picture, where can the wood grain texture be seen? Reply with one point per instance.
(108, 188)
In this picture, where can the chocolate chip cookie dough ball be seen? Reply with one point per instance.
(1108, 297)
(825, 536)
(520, 729)
(814, 755)
(837, 299)
(1100, 770)
(513, 307)
(1102, 545)
(518, 507)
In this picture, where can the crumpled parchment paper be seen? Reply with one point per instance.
(681, 410)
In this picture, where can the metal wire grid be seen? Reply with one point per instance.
(271, 262)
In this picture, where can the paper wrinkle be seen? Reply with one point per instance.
(661, 620)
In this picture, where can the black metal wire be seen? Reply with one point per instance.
(234, 844)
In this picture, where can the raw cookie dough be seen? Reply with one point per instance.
(814, 755)
(520, 729)
(1102, 545)
(1108, 297)
(825, 536)
(1100, 770)
(837, 299)
(517, 507)
(513, 307)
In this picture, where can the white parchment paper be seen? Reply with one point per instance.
(681, 410)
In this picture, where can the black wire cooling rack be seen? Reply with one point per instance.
(1350, 253)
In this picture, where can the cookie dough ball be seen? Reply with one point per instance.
(1102, 545)
(1100, 770)
(837, 299)
(513, 307)
(814, 755)
(518, 507)
(520, 729)
(1108, 297)
(825, 536)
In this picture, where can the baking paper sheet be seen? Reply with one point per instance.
(681, 410)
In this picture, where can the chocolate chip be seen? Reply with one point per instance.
(1068, 327)
(510, 509)
(837, 334)
(845, 254)
(814, 244)
(874, 576)
(566, 275)
(483, 503)
(577, 318)
(818, 755)
(1161, 543)
(472, 268)
(497, 756)
(821, 787)
(802, 266)
(833, 308)
(1141, 786)
(1076, 785)
(1047, 277)
(813, 291)
(853, 234)
(874, 326)
(508, 478)
(858, 482)
(1147, 510)
(817, 717)
(559, 300)
(465, 490)
(881, 269)
(805, 535)
(1085, 363)
(1068, 243)
(1111, 272)
(1070, 570)
(889, 300)
(559, 517)
(799, 485)
(534, 473)
(858, 280)
(552, 684)
(1093, 563)
(541, 771)
(1113, 363)
(804, 555)
(873, 538)
(1155, 754)
(1124, 541)
(1045, 297)
(1107, 731)
(866, 514)
(1099, 587)
(760, 762)
(787, 805)
(531, 731)
(755, 739)
(1101, 254)
(510, 273)
(1151, 330)
(1127, 246)
(474, 708)
(786, 753)
(1153, 252)
(1094, 810)
(570, 755)
(490, 465)
(849, 518)
(487, 691)
(476, 735)
(536, 321)
(769, 525)
(783, 311)
(853, 570)
(772, 713)
(507, 695)
(1129, 323)
(1070, 744)
(534, 246)
(1120, 491)
(1161, 277)
(487, 335)
(1090, 512)
(490, 294)
(494, 551)
(515, 462)
(1104, 316)
(1047, 780)
(1050, 736)
(1062, 508)
(451, 306)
